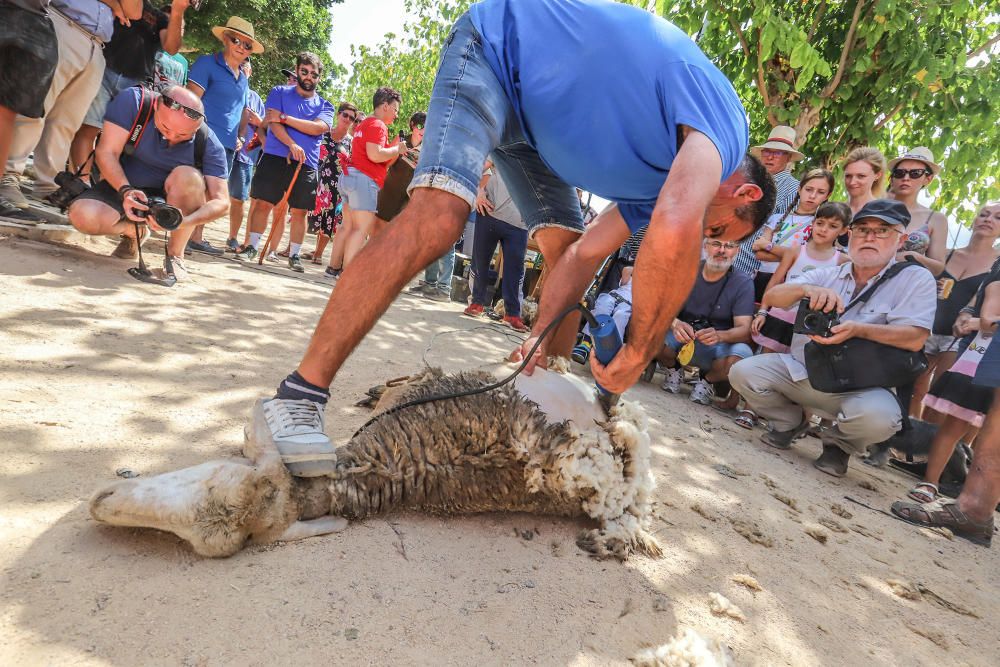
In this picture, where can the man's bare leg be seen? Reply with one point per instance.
(235, 217)
(82, 147)
(553, 242)
(433, 221)
(185, 189)
(96, 218)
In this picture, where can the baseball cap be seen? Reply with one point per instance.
(888, 211)
(289, 74)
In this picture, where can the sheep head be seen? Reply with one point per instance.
(216, 506)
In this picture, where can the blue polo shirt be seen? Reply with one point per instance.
(255, 104)
(154, 158)
(600, 89)
(224, 98)
(286, 100)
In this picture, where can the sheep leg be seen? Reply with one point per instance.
(300, 530)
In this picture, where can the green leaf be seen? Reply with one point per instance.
(798, 56)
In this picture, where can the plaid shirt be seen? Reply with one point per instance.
(788, 186)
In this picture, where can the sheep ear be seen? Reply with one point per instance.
(300, 530)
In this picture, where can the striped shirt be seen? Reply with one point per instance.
(788, 187)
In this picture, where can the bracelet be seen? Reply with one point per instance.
(125, 189)
(968, 310)
(760, 313)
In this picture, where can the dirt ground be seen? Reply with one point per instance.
(99, 372)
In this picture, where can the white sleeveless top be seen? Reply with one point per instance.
(806, 262)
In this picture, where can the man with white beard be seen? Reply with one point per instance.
(715, 323)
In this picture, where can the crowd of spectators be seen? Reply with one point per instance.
(119, 112)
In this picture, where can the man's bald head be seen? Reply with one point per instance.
(185, 97)
(176, 124)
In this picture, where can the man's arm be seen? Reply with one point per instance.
(378, 153)
(173, 34)
(108, 153)
(740, 333)
(216, 204)
(905, 336)
(295, 152)
(311, 127)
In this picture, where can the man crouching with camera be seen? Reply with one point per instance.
(170, 176)
(859, 332)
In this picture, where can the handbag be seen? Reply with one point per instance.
(858, 363)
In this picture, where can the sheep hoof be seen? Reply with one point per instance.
(300, 530)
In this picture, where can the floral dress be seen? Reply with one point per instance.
(328, 212)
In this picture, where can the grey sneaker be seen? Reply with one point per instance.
(232, 245)
(295, 428)
(10, 189)
(703, 392)
(248, 254)
(295, 264)
(204, 247)
(437, 294)
(672, 382)
(420, 289)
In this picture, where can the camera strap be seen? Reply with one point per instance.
(141, 121)
(893, 270)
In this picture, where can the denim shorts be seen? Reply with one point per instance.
(470, 117)
(239, 180)
(112, 84)
(358, 191)
(704, 355)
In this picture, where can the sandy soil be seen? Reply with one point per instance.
(98, 372)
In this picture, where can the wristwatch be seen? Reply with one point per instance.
(282, 118)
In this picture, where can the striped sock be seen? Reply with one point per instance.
(295, 388)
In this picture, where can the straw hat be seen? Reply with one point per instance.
(241, 27)
(920, 154)
(782, 138)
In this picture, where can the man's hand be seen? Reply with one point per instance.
(540, 359)
(841, 332)
(272, 116)
(623, 371)
(708, 337)
(296, 153)
(683, 332)
(239, 144)
(483, 204)
(135, 200)
(823, 298)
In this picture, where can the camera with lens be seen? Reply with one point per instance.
(814, 322)
(166, 216)
(699, 323)
(71, 186)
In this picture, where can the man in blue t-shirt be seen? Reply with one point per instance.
(223, 88)
(297, 119)
(164, 163)
(241, 170)
(525, 82)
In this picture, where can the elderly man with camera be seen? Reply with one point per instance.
(859, 333)
(160, 168)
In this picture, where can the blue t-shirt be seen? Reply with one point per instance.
(224, 98)
(286, 100)
(719, 302)
(600, 89)
(255, 104)
(154, 158)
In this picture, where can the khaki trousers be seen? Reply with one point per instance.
(864, 418)
(74, 85)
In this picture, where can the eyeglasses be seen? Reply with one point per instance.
(308, 73)
(912, 173)
(770, 152)
(348, 116)
(718, 245)
(236, 41)
(880, 233)
(171, 103)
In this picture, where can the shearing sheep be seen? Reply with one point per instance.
(541, 445)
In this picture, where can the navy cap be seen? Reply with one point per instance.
(889, 211)
(289, 74)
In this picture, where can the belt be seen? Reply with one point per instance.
(86, 33)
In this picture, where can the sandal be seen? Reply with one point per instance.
(924, 492)
(746, 418)
(945, 514)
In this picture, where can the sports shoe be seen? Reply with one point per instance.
(581, 352)
(703, 392)
(128, 247)
(420, 289)
(673, 381)
(473, 310)
(833, 461)
(437, 294)
(205, 247)
(177, 269)
(332, 272)
(232, 245)
(247, 254)
(271, 257)
(295, 428)
(295, 264)
(516, 323)
(10, 189)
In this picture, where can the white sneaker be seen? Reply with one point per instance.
(703, 392)
(295, 428)
(178, 269)
(673, 381)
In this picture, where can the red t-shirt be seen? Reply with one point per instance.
(371, 130)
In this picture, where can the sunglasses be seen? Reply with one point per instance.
(880, 233)
(171, 103)
(348, 116)
(912, 173)
(236, 41)
(717, 245)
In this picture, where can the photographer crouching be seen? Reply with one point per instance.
(161, 168)
(859, 332)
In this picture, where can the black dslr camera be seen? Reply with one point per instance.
(166, 216)
(71, 186)
(700, 323)
(814, 322)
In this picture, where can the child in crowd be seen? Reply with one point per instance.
(772, 327)
(618, 304)
(788, 230)
(957, 394)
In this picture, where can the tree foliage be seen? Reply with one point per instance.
(847, 73)
(284, 27)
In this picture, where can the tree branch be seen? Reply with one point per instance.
(739, 33)
(974, 53)
(879, 125)
(845, 52)
(819, 17)
(762, 87)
